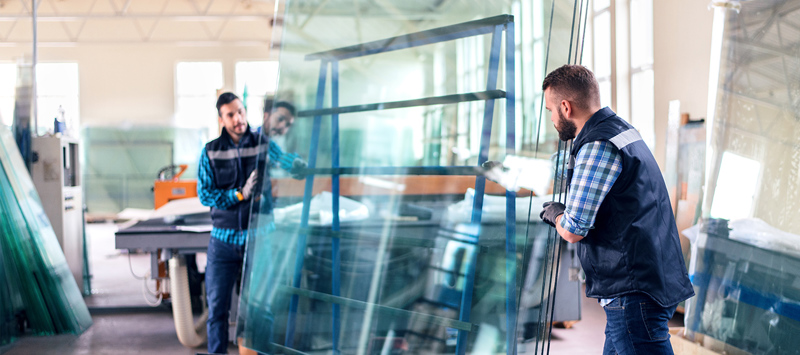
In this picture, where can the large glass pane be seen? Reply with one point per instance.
(394, 241)
(746, 257)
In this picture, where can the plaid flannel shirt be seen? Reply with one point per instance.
(597, 167)
(222, 199)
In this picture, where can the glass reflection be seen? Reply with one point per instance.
(392, 240)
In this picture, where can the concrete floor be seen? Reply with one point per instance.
(146, 330)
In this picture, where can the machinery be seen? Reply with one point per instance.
(56, 175)
(168, 187)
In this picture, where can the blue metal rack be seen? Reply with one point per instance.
(494, 25)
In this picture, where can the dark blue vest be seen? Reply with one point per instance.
(634, 245)
(232, 166)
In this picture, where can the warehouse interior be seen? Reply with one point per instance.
(377, 222)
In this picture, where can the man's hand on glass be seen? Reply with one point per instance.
(550, 212)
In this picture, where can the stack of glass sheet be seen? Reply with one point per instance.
(399, 104)
(745, 264)
(35, 281)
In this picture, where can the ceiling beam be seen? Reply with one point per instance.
(174, 17)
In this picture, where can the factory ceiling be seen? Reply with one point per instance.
(113, 22)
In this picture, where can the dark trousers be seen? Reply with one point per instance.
(635, 324)
(223, 270)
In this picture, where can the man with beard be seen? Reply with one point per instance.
(618, 211)
(227, 181)
(278, 119)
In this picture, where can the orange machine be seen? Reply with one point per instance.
(168, 187)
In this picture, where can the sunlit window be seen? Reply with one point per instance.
(196, 85)
(8, 80)
(631, 94)
(255, 81)
(602, 65)
(642, 81)
(58, 95)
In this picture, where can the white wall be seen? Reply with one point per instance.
(681, 49)
(134, 83)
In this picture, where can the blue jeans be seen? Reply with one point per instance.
(635, 324)
(222, 270)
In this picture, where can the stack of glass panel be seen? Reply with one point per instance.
(36, 281)
(400, 270)
(746, 259)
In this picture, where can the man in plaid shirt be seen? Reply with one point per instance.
(618, 211)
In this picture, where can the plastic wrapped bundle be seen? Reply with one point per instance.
(33, 270)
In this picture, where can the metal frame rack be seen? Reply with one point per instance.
(330, 62)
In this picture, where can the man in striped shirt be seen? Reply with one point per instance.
(618, 212)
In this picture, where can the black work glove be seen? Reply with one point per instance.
(550, 211)
(298, 169)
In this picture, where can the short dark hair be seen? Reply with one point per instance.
(270, 104)
(574, 83)
(225, 99)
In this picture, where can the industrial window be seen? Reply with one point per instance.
(8, 79)
(58, 94)
(642, 82)
(196, 85)
(622, 60)
(255, 81)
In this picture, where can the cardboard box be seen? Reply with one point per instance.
(703, 345)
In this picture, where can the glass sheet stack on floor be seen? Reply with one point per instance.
(395, 242)
(745, 262)
(37, 283)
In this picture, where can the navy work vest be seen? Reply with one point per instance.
(232, 166)
(634, 245)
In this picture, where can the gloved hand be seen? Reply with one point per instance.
(550, 211)
(298, 168)
(249, 185)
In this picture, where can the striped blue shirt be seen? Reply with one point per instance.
(223, 199)
(597, 167)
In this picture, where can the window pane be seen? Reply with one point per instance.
(641, 33)
(642, 105)
(260, 78)
(196, 87)
(605, 92)
(57, 79)
(602, 44)
(198, 78)
(8, 80)
(601, 4)
(58, 92)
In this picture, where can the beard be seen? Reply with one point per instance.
(566, 129)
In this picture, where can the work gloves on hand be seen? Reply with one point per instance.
(550, 211)
(249, 186)
(298, 169)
